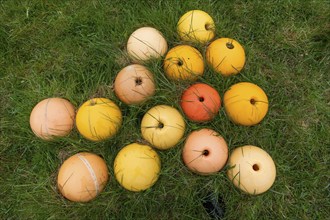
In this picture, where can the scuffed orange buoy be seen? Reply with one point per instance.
(52, 117)
(146, 43)
(82, 177)
(200, 102)
(251, 169)
(134, 84)
(137, 167)
(205, 151)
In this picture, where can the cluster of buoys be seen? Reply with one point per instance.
(137, 166)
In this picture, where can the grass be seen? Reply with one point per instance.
(74, 49)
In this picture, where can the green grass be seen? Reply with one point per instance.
(74, 49)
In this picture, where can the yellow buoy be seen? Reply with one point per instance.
(226, 56)
(98, 119)
(137, 167)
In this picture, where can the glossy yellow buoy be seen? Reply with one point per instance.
(98, 119)
(226, 56)
(137, 167)
(196, 26)
(146, 43)
(245, 103)
(183, 62)
(251, 169)
(52, 117)
(82, 177)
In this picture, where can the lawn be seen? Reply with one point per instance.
(74, 49)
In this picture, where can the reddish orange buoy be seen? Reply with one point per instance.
(200, 102)
(52, 117)
(205, 152)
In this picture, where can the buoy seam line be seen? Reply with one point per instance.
(68, 111)
(46, 117)
(91, 172)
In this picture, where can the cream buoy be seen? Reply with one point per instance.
(52, 117)
(137, 167)
(146, 43)
(163, 126)
(205, 152)
(200, 102)
(134, 84)
(82, 177)
(251, 169)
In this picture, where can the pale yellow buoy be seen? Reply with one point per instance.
(163, 126)
(251, 169)
(196, 26)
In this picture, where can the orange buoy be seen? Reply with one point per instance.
(205, 151)
(134, 84)
(82, 177)
(52, 117)
(200, 102)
